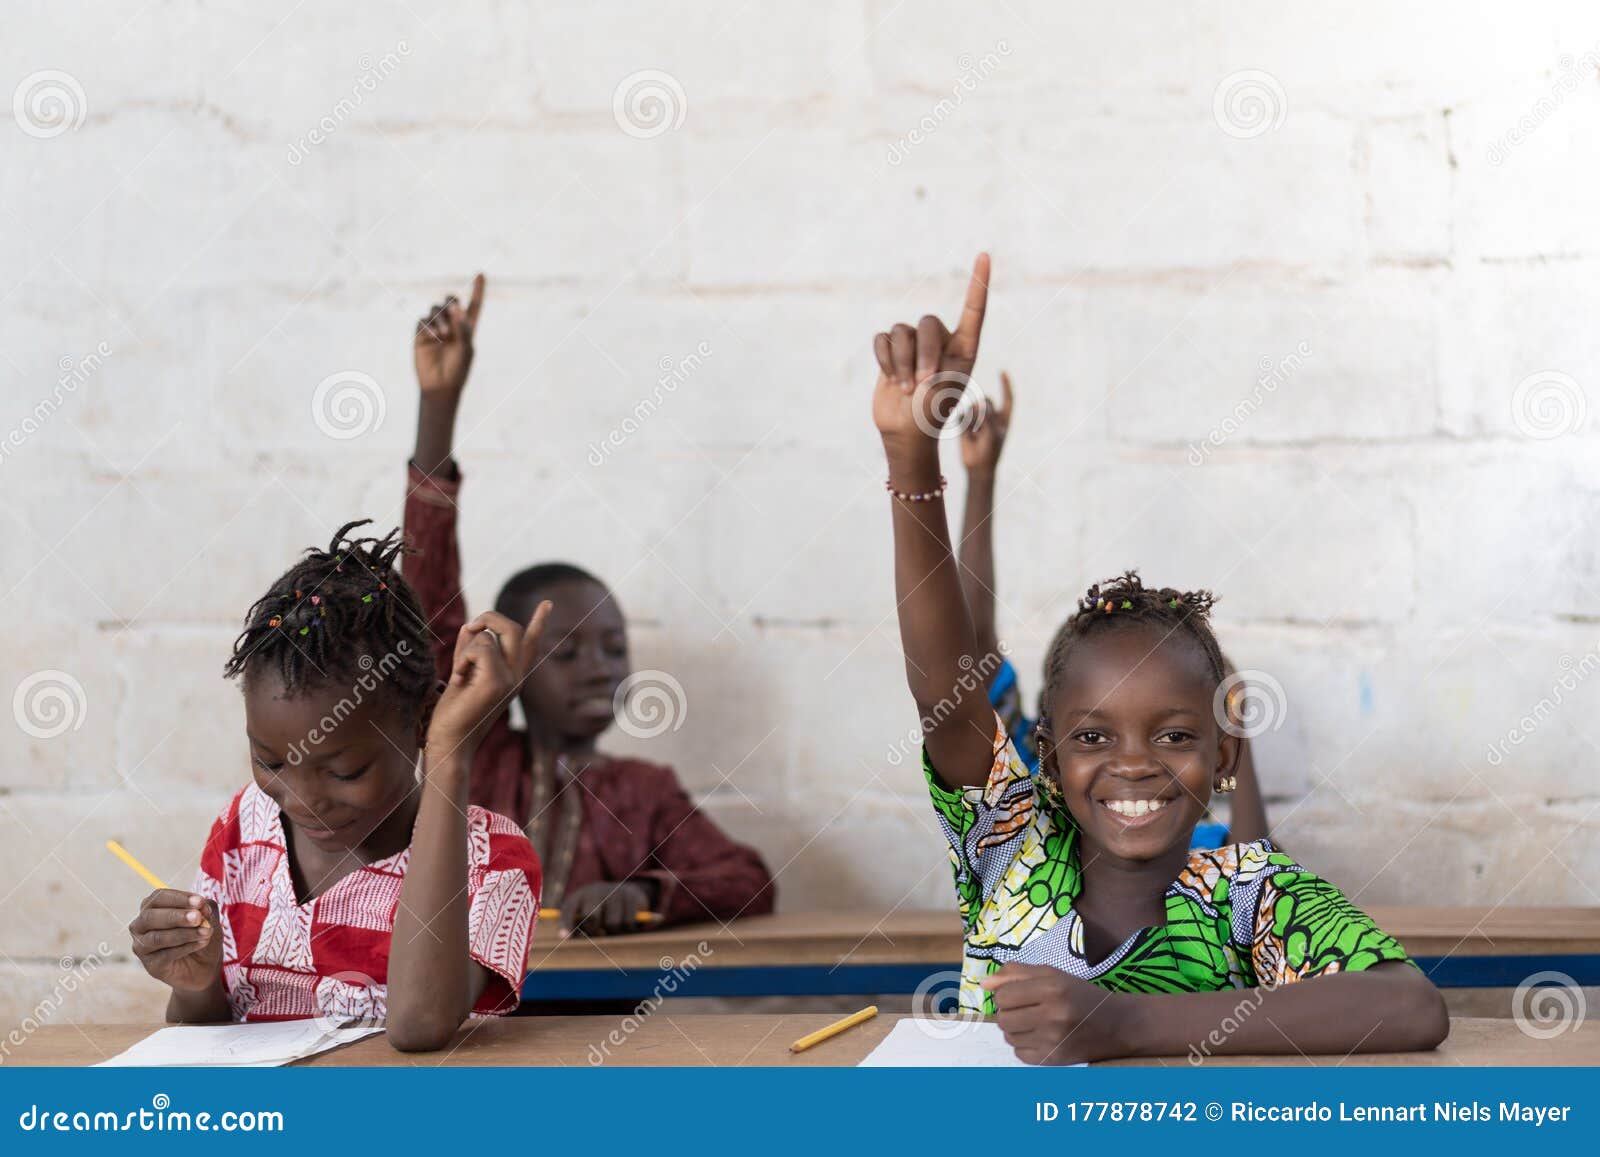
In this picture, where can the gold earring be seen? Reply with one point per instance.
(1226, 784)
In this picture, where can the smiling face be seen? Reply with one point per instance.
(342, 774)
(571, 691)
(1134, 744)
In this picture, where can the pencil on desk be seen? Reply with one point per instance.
(126, 857)
(643, 915)
(833, 1029)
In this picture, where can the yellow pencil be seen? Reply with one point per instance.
(833, 1029)
(644, 916)
(126, 857)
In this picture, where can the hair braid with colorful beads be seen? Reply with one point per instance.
(1124, 602)
(334, 615)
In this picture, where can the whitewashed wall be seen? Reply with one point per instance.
(208, 209)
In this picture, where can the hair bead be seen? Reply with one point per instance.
(322, 649)
(1184, 612)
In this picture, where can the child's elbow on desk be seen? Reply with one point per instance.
(1433, 1017)
(421, 1033)
(1413, 1008)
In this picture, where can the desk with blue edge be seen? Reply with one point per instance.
(849, 953)
(699, 1039)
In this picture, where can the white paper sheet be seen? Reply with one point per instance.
(237, 1045)
(943, 1044)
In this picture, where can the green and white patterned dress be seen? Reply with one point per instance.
(1240, 916)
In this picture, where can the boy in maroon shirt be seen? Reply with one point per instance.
(616, 837)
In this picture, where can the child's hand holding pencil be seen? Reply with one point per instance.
(607, 909)
(176, 938)
(175, 935)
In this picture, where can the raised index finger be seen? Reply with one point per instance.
(977, 303)
(476, 303)
(530, 637)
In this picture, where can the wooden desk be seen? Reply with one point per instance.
(830, 953)
(826, 939)
(762, 1039)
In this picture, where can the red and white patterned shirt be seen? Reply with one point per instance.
(283, 960)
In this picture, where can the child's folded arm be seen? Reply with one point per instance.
(1388, 1008)
(433, 981)
(1391, 1007)
(1051, 1017)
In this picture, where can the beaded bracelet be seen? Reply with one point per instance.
(926, 496)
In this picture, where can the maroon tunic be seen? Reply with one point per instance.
(638, 822)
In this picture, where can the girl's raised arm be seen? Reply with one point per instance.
(923, 372)
(442, 351)
(434, 983)
(981, 443)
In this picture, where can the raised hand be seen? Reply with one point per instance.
(984, 435)
(442, 348)
(493, 657)
(923, 371)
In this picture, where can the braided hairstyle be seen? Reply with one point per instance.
(1124, 602)
(336, 614)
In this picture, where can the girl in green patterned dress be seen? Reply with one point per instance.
(1091, 928)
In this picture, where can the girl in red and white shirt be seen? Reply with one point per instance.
(352, 878)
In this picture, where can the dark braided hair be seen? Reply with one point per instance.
(518, 598)
(1125, 602)
(335, 615)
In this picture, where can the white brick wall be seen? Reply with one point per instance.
(1389, 542)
